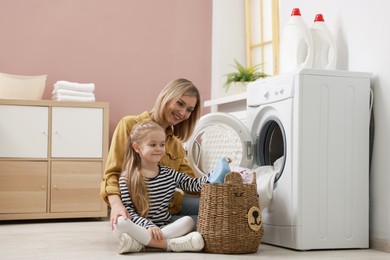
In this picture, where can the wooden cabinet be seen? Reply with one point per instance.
(52, 157)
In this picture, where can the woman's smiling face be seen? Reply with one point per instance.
(180, 110)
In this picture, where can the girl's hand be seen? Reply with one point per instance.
(155, 233)
(117, 209)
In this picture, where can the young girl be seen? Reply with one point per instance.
(147, 190)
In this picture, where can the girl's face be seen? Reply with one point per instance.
(152, 148)
(180, 110)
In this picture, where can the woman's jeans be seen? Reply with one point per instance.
(190, 207)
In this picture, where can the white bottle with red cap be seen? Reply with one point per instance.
(324, 45)
(296, 45)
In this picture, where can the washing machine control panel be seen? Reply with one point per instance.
(270, 90)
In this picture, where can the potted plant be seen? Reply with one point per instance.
(243, 75)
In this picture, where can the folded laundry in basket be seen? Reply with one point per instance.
(265, 180)
(85, 87)
(246, 174)
(72, 93)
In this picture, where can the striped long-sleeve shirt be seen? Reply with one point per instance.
(160, 191)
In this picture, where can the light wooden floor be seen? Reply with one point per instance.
(92, 239)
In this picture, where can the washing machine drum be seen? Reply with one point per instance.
(217, 135)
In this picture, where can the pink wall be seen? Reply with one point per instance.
(129, 48)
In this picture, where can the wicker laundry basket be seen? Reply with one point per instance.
(230, 219)
(22, 87)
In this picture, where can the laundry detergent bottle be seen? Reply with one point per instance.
(324, 45)
(296, 44)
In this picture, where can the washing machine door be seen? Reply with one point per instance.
(217, 135)
(270, 145)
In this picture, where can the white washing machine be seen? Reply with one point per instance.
(318, 122)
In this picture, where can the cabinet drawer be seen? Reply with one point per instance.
(75, 186)
(23, 186)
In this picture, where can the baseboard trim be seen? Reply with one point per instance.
(380, 244)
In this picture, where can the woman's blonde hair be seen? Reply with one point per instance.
(132, 166)
(173, 91)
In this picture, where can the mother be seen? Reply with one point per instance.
(177, 109)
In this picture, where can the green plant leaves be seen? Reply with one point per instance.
(243, 74)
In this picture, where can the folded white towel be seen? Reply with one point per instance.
(72, 93)
(265, 180)
(85, 87)
(72, 98)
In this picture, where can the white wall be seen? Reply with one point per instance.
(363, 39)
(228, 41)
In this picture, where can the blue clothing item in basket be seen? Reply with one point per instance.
(217, 175)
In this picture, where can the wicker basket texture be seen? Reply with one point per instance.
(226, 218)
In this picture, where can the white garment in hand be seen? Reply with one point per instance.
(265, 180)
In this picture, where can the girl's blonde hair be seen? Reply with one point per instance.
(173, 91)
(132, 166)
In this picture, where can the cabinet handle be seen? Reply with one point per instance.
(43, 187)
(44, 133)
(55, 187)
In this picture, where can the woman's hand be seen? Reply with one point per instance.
(117, 209)
(155, 233)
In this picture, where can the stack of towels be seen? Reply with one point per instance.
(72, 91)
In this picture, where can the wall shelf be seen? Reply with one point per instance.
(233, 104)
(225, 100)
